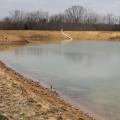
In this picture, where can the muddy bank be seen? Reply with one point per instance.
(95, 35)
(23, 37)
(21, 98)
(31, 36)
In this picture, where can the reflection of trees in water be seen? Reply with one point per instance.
(33, 51)
(87, 57)
(72, 56)
(40, 51)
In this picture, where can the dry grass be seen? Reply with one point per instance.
(12, 36)
(23, 99)
(94, 35)
(22, 36)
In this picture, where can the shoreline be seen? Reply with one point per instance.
(49, 96)
(17, 37)
(39, 89)
(63, 97)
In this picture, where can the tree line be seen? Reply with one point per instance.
(73, 18)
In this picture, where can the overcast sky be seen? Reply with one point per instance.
(56, 6)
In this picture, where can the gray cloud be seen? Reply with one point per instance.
(55, 6)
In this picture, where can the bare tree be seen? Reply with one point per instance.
(75, 14)
(73, 18)
(59, 18)
(109, 19)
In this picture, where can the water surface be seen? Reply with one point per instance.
(86, 72)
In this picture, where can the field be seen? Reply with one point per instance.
(22, 37)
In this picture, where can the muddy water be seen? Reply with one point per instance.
(88, 73)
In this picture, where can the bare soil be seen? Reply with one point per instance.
(24, 99)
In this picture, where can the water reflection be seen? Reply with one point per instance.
(86, 72)
(39, 51)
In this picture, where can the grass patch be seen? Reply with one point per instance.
(2, 117)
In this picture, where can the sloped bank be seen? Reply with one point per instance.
(23, 36)
(31, 36)
(24, 99)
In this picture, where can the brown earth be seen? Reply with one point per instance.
(94, 35)
(22, 36)
(23, 99)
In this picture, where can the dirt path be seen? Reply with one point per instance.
(69, 39)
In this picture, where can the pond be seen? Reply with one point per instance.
(87, 73)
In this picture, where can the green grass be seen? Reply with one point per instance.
(2, 117)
